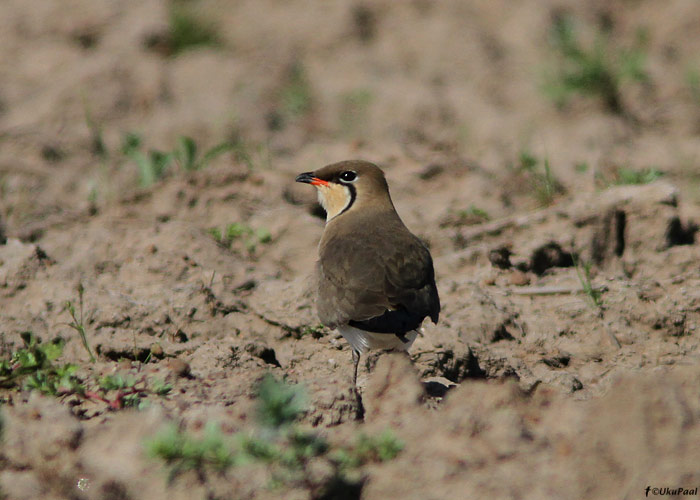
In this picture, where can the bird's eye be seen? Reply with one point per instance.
(348, 176)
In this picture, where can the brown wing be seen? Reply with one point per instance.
(387, 286)
(350, 285)
(411, 281)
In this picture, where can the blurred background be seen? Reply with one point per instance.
(152, 235)
(98, 97)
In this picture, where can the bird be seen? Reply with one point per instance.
(375, 279)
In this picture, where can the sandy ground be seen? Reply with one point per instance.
(525, 388)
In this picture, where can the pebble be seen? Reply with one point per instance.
(157, 350)
(518, 278)
(179, 367)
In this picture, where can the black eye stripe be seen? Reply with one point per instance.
(353, 195)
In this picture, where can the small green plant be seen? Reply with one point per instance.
(78, 320)
(235, 231)
(253, 155)
(99, 148)
(544, 185)
(186, 154)
(54, 381)
(629, 176)
(315, 331)
(581, 167)
(368, 449)
(152, 165)
(354, 111)
(127, 391)
(465, 217)
(32, 367)
(473, 214)
(278, 444)
(692, 78)
(183, 451)
(474, 211)
(595, 295)
(599, 70)
(279, 404)
(188, 31)
(35, 368)
(296, 95)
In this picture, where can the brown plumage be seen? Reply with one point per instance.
(376, 282)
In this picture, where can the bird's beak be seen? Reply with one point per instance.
(308, 178)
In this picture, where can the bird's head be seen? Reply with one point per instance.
(347, 185)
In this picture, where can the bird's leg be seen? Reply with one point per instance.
(360, 412)
(356, 362)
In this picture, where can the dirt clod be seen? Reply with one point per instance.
(456, 367)
(179, 367)
(678, 233)
(500, 257)
(548, 256)
(267, 354)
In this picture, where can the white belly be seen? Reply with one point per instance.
(363, 341)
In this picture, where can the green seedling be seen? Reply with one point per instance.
(99, 147)
(544, 185)
(630, 176)
(315, 331)
(254, 155)
(186, 154)
(237, 231)
(35, 368)
(354, 111)
(692, 78)
(57, 381)
(367, 449)
(78, 323)
(465, 217)
(32, 367)
(474, 211)
(160, 387)
(128, 394)
(121, 382)
(217, 234)
(288, 456)
(188, 31)
(581, 167)
(599, 70)
(472, 215)
(296, 95)
(154, 164)
(279, 404)
(182, 451)
(131, 142)
(278, 444)
(127, 391)
(595, 295)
